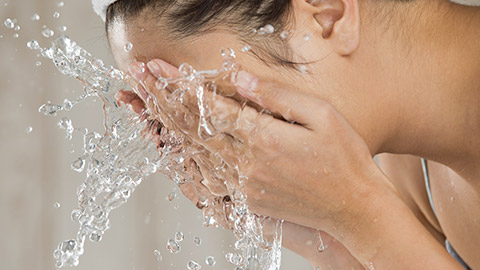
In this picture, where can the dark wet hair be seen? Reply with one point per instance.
(186, 18)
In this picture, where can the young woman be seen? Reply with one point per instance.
(350, 79)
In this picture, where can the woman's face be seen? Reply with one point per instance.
(373, 75)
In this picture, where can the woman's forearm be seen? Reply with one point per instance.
(305, 242)
(389, 236)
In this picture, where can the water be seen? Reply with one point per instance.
(118, 160)
(210, 261)
(128, 47)
(35, 17)
(179, 236)
(197, 241)
(9, 23)
(158, 255)
(48, 32)
(193, 265)
(173, 246)
(33, 45)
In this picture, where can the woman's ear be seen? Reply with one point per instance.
(339, 21)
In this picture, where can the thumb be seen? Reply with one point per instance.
(290, 104)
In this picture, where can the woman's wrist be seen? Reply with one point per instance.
(383, 233)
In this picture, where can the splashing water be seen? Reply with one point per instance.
(116, 162)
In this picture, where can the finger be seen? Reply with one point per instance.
(162, 69)
(132, 99)
(179, 114)
(215, 185)
(292, 105)
(138, 71)
(248, 125)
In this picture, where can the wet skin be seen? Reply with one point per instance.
(359, 87)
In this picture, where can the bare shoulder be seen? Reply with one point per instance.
(406, 174)
(456, 201)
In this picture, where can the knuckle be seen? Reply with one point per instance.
(267, 142)
(326, 111)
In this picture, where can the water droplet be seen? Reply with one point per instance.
(17, 28)
(33, 45)
(321, 246)
(56, 15)
(186, 70)
(307, 37)
(269, 29)
(128, 47)
(16, 35)
(60, 4)
(158, 255)
(47, 32)
(179, 236)
(35, 17)
(246, 48)
(76, 215)
(234, 258)
(48, 109)
(210, 261)
(62, 28)
(38, 63)
(284, 35)
(68, 246)
(29, 129)
(197, 241)
(95, 236)
(78, 165)
(56, 205)
(318, 268)
(161, 83)
(9, 23)
(171, 196)
(67, 105)
(193, 265)
(66, 124)
(303, 69)
(173, 246)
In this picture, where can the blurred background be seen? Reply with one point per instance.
(35, 161)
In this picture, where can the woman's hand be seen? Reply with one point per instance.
(311, 163)
(308, 166)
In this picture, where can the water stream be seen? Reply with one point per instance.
(133, 147)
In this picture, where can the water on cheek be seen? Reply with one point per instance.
(117, 162)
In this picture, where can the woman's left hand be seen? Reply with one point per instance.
(310, 167)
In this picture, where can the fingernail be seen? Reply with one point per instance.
(246, 82)
(141, 91)
(137, 70)
(154, 68)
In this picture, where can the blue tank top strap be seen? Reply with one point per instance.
(448, 246)
(427, 185)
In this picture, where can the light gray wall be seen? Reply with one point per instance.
(35, 167)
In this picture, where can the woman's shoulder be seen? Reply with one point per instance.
(406, 174)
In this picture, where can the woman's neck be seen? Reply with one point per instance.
(440, 115)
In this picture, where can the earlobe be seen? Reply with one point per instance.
(340, 21)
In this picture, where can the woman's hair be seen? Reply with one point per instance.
(187, 18)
